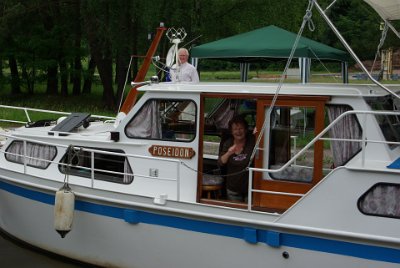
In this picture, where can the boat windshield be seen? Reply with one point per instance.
(389, 124)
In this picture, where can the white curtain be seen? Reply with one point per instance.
(147, 123)
(128, 174)
(346, 128)
(36, 154)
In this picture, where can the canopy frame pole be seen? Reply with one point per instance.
(305, 65)
(350, 50)
(330, 5)
(392, 28)
(345, 72)
(244, 71)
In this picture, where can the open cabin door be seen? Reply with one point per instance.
(292, 123)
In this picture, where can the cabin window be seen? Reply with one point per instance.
(389, 124)
(161, 119)
(290, 129)
(36, 154)
(107, 167)
(382, 199)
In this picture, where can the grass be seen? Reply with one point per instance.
(275, 76)
(40, 100)
(93, 103)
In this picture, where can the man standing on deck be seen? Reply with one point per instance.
(184, 72)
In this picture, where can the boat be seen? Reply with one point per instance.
(144, 189)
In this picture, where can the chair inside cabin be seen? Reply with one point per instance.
(213, 181)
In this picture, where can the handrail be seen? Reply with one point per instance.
(363, 141)
(92, 170)
(323, 132)
(26, 110)
(350, 50)
(178, 162)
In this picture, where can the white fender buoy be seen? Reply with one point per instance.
(64, 210)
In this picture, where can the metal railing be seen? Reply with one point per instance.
(28, 117)
(364, 140)
(175, 178)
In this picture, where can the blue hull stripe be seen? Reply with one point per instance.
(250, 235)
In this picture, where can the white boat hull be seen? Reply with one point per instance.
(113, 235)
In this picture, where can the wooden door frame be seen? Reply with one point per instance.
(317, 102)
(312, 101)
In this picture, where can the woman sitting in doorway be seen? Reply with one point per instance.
(235, 155)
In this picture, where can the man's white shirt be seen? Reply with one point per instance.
(185, 73)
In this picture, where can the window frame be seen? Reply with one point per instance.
(98, 175)
(48, 161)
(194, 132)
(370, 190)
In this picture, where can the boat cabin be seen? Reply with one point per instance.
(167, 146)
(188, 122)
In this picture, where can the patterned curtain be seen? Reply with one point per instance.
(382, 200)
(225, 113)
(147, 123)
(346, 128)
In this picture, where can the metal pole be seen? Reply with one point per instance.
(92, 168)
(345, 72)
(343, 41)
(392, 28)
(330, 5)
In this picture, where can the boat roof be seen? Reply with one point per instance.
(358, 90)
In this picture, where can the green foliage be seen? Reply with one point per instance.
(42, 35)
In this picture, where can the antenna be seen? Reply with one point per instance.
(175, 36)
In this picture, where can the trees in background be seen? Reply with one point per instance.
(60, 43)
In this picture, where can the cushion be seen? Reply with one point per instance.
(209, 179)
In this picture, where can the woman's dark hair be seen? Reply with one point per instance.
(238, 119)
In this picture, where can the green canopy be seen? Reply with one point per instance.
(267, 42)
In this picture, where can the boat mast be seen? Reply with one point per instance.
(350, 50)
(132, 95)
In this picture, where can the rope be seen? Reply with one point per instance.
(323, 65)
(221, 175)
(306, 20)
(381, 42)
(71, 155)
(126, 81)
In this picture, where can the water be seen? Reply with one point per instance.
(14, 254)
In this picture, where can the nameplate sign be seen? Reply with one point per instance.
(171, 151)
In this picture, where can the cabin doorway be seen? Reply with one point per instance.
(294, 121)
(216, 111)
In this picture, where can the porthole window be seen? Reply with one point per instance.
(382, 199)
(36, 154)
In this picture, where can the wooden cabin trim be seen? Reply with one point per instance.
(201, 120)
(282, 202)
